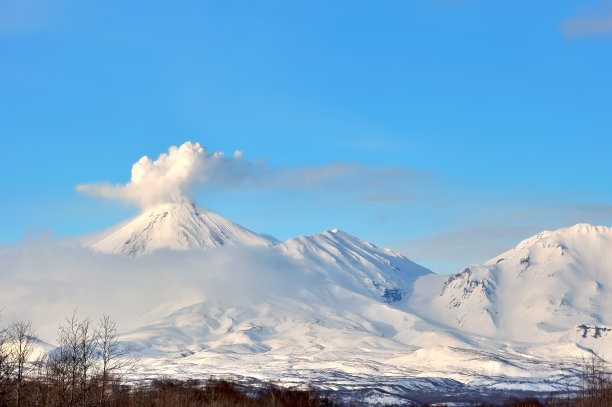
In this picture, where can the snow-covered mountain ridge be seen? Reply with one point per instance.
(334, 253)
(334, 305)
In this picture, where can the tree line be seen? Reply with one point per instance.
(83, 370)
(88, 365)
(87, 369)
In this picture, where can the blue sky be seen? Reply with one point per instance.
(477, 123)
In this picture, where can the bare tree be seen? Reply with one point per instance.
(74, 358)
(5, 365)
(596, 383)
(86, 349)
(57, 373)
(39, 389)
(21, 341)
(115, 357)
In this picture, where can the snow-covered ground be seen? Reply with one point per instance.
(199, 295)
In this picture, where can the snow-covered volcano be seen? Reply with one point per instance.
(333, 254)
(177, 226)
(332, 307)
(555, 287)
(366, 311)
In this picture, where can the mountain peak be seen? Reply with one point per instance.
(586, 228)
(550, 282)
(176, 226)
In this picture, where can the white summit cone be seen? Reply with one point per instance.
(176, 226)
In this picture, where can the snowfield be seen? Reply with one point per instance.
(200, 296)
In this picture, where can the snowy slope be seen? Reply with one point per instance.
(331, 308)
(356, 263)
(333, 285)
(350, 312)
(300, 338)
(336, 309)
(555, 286)
(176, 226)
(350, 307)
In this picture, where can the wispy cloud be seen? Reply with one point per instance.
(176, 175)
(592, 212)
(472, 224)
(498, 226)
(385, 197)
(590, 21)
(44, 280)
(478, 243)
(347, 176)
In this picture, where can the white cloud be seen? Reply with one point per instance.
(44, 280)
(174, 176)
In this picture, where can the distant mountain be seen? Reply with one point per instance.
(176, 226)
(548, 285)
(343, 306)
